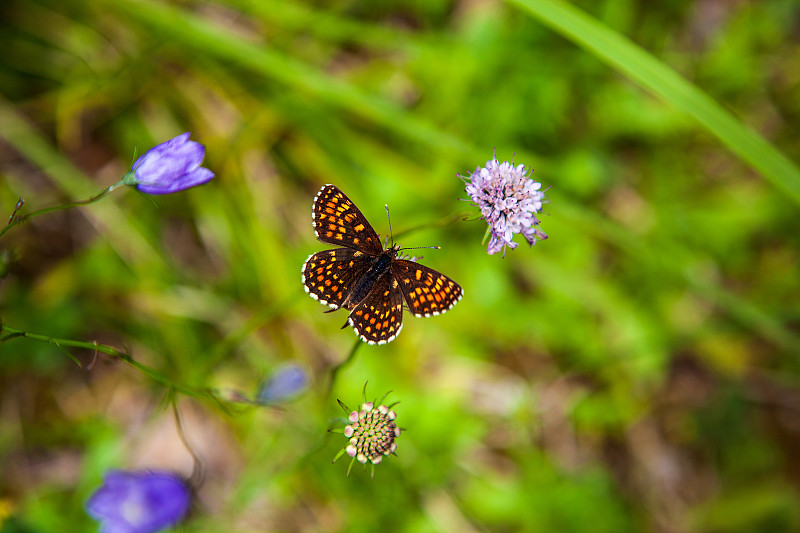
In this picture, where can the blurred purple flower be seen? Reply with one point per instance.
(170, 167)
(509, 200)
(139, 502)
(283, 384)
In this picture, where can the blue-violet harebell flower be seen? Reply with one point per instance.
(171, 166)
(139, 502)
(283, 384)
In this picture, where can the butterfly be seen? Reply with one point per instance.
(369, 281)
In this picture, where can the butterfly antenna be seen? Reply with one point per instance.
(422, 248)
(391, 235)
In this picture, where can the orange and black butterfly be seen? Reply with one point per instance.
(366, 279)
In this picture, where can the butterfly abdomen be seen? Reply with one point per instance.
(367, 282)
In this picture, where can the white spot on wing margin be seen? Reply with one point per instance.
(384, 341)
(314, 212)
(303, 278)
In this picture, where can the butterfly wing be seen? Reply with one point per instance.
(338, 221)
(427, 292)
(378, 318)
(329, 275)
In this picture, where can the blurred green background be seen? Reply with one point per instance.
(638, 371)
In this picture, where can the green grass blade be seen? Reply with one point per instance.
(644, 69)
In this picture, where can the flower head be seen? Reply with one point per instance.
(283, 384)
(171, 166)
(372, 432)
(509, 200)
(139, 502)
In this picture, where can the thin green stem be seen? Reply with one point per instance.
(16, 220)
(8, 333)
(335, 370)
(444, 221)
(198, 473)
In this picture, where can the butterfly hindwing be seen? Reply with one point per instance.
(378, 318)
(426, 291)
(329, 275)
(338, 221)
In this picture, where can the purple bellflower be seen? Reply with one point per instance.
(509, 200)
(283, 384)
(171, 166)
(139, 502)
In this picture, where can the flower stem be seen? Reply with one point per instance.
(8, 333)
(198, 473)
(16, 220)
(335, 370)
(449, 219)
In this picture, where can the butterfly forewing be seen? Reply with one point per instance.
(379, 317)
(329, 275)
(427, 292)
(338, 221)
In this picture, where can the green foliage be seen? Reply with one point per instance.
(636, 371)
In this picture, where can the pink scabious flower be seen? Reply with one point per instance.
(371, 432)
(509, 200)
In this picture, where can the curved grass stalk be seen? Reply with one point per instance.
(8, 333)
(16, 220)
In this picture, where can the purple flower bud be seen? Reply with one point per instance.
(371, 433)
(283, 384)
(170, 167)
(139, 502)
